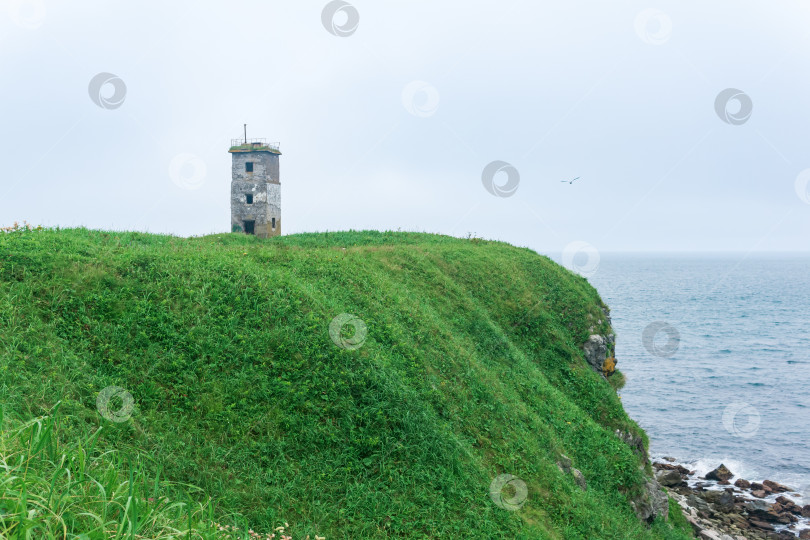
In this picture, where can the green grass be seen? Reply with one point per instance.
(472, 367)
(52, 489)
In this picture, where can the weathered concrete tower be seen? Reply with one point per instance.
(255, 187)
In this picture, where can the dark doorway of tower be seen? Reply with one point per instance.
(250, 227)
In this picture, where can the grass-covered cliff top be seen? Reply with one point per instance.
(471, 367)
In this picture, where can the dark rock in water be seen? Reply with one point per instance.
(667, 458)
(788, 505)
(763, 511)
(759, 493)
(742, 483)
(775, 487)
(721, 474)
(668, 467)
(806, 511)
(805, 534)
(669, 478)
(757, 486)
(701, 485)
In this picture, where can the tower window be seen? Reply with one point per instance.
(274, 223)
(249, 198)
(250, 227)
(248, 166)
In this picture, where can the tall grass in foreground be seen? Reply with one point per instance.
(52, 490)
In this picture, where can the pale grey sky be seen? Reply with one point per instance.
(621, 94)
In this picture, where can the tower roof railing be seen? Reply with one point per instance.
(254, 144)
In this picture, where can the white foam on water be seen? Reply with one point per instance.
(703, 466)
(800, 487)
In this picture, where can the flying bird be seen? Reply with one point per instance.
(571, 181)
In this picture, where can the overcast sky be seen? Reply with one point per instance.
(388, 114)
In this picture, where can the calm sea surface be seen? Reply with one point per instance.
(734, 385)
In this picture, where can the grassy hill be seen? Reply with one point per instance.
(468, 364)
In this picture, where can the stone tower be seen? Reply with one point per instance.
(255, 187)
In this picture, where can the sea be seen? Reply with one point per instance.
(716, 352)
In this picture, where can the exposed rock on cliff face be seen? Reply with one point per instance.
(580, 479)
(597, 353)
(635, 442)
(652, 503)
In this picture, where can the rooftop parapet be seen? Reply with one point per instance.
(254, 145)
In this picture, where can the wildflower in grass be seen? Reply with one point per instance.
(17, 227)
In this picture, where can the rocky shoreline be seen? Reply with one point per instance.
(718, 509)
(715, 508)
